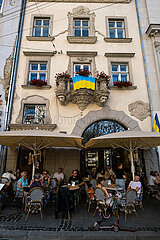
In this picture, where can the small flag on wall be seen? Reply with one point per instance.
(156, 125)
(83, 82)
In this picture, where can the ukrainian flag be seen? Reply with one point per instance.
(156, 125)
(83, 82)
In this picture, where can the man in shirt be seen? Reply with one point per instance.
(75, 179)
(9, 175)
(59, 175)
(135, 184)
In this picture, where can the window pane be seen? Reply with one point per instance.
(114, 68)
(77, 23)
(84, 23)
(112, 33)
(120, 33)
(46, 22)
(42, 76)
(86, 67)
(85, 32)
(77, 32)
(43, 67)
(38, 22)
(45, 32)
(37, 32)
(34, 114)
(33, 76)
(119, 24)
(123, 77)
(34, 66)
(115, 77)
(111, 24)
(123, 68)
(77, 68)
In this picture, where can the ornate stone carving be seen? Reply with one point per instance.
(47, 127)
(139, 109)
(82, 40)
(84, 1)
(11, 2)
(34, 99)
(82, 97)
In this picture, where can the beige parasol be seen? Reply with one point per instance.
(128, 140)
(36, 140)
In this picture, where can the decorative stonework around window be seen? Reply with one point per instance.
(35, 99)
(139, 110)
(47, 127)
(84, 1)
(81, 12)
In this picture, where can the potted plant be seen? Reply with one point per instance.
(121, 84)
(62, 75)
(37, 82)
(103, 75)
(83, 72)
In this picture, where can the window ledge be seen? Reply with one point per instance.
(123, 88)
(118, 40)
(34, 87)
(31, 38)
(82, 40)
(48, 127)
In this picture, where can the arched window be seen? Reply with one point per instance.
(100, 128)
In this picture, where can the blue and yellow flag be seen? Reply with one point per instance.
(156, 125)
(83, 82)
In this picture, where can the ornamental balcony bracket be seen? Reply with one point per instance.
(83, 96)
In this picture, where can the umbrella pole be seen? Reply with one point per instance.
(132, 162)
(33, 167)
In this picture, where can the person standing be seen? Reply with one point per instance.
(120, 177)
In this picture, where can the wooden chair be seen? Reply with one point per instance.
(35, 200)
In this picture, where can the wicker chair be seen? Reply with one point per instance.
(18, 195)
(35, 200)
(128, 203)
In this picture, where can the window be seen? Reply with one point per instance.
(1, 5)
(38, 70)
(81, 27)
(116, 28)
(34, 114)
(41, 27)
(77, 67)
(119, 72)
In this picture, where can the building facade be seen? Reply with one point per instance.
(65, 36)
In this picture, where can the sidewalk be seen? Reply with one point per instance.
(13, 226)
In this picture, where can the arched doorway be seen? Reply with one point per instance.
(101, 158)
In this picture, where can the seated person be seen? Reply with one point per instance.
(135, 184)
(109, 174)
(22, 183)
(100, 174)
(46, 180)
(59, 176)
(75, 179)
(36, 182)
(18, 174)
(9, 175)
(152, 179)
(100, 184)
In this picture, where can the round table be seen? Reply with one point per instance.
(114, 188)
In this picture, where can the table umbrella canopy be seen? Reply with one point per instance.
(128, 140)
(38, 139)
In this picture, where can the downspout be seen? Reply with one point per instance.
(146, 73)
(13, 81)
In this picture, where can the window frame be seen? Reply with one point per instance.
(116, 28)
(81, 26)
(39, 59)
(37, 71)
(34, 113)
(1, 9)
(120, 72)
(115, 18)
(42, 27)
(81, 64)
(43, 16)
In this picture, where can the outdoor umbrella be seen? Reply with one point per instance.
(36, 140)
(128, 140)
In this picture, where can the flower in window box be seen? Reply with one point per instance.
(83, 72)
(37, 82)
(121, 84)
(62, 75)
(103, 75)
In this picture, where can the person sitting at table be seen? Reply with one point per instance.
(135, 184)
(36, 182)
(109, 173)
(18, 174)
(22, 183)
(100, 174)
(46, 180)
(100, 184)
(75, 179)
(154, 181)
(120, 176)
(9, 175)
(59, 176)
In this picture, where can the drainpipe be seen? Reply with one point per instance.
(13, 81)
(146, 73)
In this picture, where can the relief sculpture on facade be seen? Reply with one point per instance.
(139, 110)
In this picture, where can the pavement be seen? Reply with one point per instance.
(13, 225)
